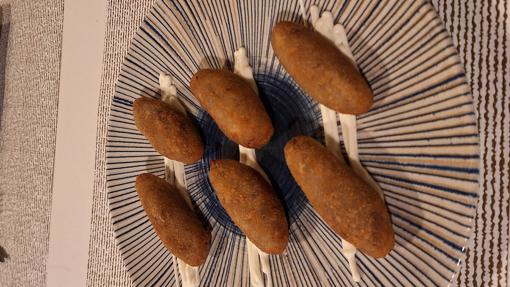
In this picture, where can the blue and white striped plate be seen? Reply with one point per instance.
(419, 141)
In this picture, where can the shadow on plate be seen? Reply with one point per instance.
(292, 114)
(213, 62)
(410, 218)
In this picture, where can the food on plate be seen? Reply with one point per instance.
(321, 69)
(353, 209)
(168, 129)
(251, 203)
(234, 106)
(176, 224)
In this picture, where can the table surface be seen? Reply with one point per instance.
(30, 53)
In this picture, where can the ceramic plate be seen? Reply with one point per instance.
(419, 141)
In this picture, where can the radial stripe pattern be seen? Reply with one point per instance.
(419, 141)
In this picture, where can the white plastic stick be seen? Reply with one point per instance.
(331, 136)
(258, 260)
(351, 145)
(336, 33)
(174, 174)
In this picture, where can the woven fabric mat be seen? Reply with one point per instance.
(478, 31)
(30, 48)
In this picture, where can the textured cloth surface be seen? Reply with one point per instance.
(29, 74)
(30, 48)
(480, 31)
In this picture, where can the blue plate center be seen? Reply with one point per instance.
(292, 114)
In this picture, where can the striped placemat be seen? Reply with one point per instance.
(479, 30)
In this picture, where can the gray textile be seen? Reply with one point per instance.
(30, 47)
